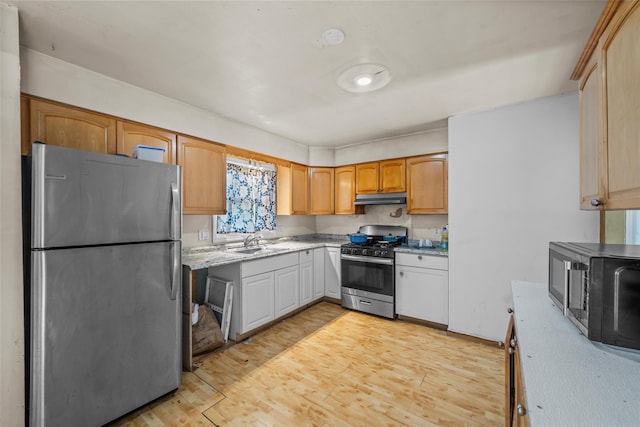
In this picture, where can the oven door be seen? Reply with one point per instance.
(369, 274)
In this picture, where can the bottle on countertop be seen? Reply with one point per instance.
(444, 240)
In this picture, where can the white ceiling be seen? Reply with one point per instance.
(264, 63)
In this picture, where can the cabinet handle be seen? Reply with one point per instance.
(509, 310)
(521, 409)
(419, 256)
(596, 202)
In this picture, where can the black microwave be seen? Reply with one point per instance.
(597, 286)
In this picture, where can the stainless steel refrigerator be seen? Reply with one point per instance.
(104, 284)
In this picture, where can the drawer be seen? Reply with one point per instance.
(270, 263)
(422, 261)
(306, 256)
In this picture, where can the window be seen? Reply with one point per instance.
(251, 198)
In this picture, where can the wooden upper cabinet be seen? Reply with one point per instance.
(345, 191)
(609, 75)
(387, 176)
(69, 127)
(321, 191)
(367, 177)
(392, 176)
(427, 184)
(283, 190)
(299, 189)
(204, 176)
(620, 56)
(590, 137)
(131, 135)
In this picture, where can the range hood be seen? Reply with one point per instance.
(381, 199)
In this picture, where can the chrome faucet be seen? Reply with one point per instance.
(252, 239)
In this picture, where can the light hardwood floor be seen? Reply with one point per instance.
(327, 366)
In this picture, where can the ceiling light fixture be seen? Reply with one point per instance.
(364, 78)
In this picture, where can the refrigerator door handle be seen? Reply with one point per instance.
(175, 269)
(175, 210)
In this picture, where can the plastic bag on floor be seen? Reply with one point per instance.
(206, 333)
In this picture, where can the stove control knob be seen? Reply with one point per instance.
(365, 252)
(377, 253)
(383, 253)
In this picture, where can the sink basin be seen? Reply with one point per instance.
(248, 250)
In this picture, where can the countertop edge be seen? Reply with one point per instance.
(568, 379)
(217, 257)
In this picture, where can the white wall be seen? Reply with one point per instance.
(513, 187)
(51, 78)
(432, 141)
(11, 290)
(420, 226)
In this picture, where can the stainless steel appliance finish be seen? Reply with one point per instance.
(368, 270)
(104, 285)
(597, 286)
(381, 199)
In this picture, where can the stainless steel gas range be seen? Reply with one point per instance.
(368, 270)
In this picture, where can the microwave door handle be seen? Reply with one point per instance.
(567, 280)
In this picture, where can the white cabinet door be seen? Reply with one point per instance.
(287, 290)
(422, 293)
(257, 300)
(306, 283)
(332, 273)
(318, 272)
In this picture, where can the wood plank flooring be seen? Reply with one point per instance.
(328, 366)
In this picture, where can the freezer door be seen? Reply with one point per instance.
(81, 198)
(105, 335)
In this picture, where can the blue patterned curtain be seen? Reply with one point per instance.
(251, 200)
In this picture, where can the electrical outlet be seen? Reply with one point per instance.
(203, 234)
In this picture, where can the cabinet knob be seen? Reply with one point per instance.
(509, 310)
(401, 273)
(521, 409)
(307, 252)
(596, 202)
(512, 343)
(419, 256)
(510, 350)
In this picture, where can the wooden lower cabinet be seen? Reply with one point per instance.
(306, 277)
(257, 300)
(130, 135)
(427, 184)
(204, 176)
(332, 273)
(515, 402)
(64, 126)
(287, 290)
(422, 287)
(318, 272)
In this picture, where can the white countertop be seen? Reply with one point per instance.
(212, 256)
(569, 380)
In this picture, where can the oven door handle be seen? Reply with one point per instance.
(369, 259)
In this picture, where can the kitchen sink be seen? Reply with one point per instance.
(248, 250)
